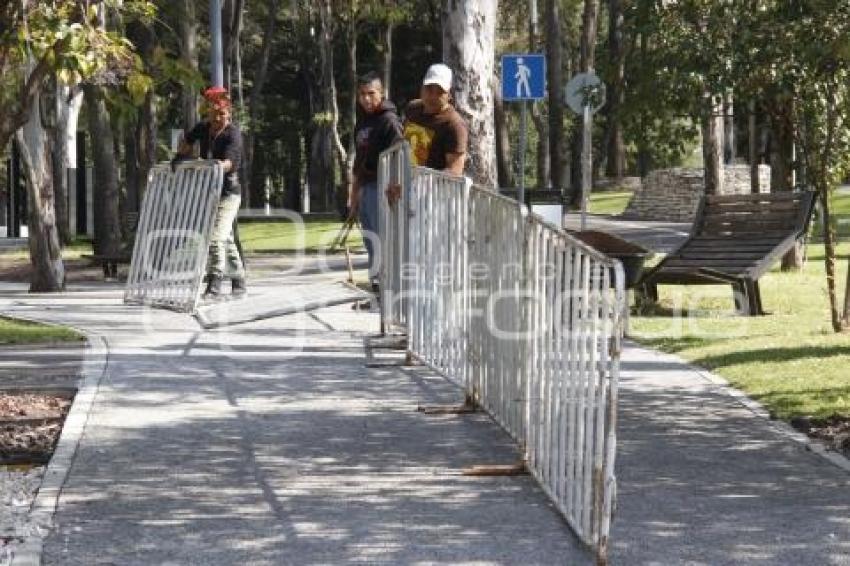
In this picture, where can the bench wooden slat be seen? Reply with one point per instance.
(780, 207)
(697, 254)
(768, 198)
(731, 247)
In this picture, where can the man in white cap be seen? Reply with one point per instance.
(437, 134)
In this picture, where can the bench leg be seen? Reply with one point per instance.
(646, 293)
(754, 296)
(742, 302)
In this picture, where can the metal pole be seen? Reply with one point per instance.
(522, 133)
(216, 57)
(586, 165)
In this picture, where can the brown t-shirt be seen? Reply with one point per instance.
(432, 136)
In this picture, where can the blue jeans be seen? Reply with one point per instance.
(369, 222)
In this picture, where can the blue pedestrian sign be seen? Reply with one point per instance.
(524, 77)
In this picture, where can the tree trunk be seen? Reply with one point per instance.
(829, 260)
(616, 163)
(587, 58)
(189, 56)
(332, 140)
(554, 70)
(543, 165)
(712, 147)
(227, 40)
(388, 58)
(68, 103)
(729, 128)
(469, 34)
(503, 142)
(753, 143)
(352, 86)
(48, 270)
(781, 167)
(107, 224)
(256, 194)
(144, 130)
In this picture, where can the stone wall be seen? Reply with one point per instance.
(673, 194)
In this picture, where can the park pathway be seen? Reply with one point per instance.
(274, 443)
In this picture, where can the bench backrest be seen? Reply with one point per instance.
(759, 215)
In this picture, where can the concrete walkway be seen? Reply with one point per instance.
(273, 443)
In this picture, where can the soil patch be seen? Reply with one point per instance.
(17, 270)
(834, 431)
(30, 424)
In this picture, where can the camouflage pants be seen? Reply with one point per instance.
(224, 259)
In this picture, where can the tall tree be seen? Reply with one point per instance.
(555, 72)
(69, 101)
(39, 38)
(469, 34)
(616, 163)
(48, 271)
(257, 180)
(189, 56)
(587, 63)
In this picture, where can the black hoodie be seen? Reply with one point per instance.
(373, 134)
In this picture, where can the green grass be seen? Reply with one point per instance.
(81, 245)
(840, 209)
(790, 360)
(287, 237)
(608, 202)
(264, 236)
(13, 331)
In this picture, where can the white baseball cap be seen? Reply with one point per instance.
(439, 74)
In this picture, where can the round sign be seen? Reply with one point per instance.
(585, 89)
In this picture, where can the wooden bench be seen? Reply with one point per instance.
(735, 239)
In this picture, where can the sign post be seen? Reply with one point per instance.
(585, 95)
(523, 79)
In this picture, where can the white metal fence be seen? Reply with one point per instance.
(527, 319)
(173, 235)
(393, 169)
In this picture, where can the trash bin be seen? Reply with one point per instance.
(546, 203)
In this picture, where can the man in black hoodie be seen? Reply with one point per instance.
(377, 129)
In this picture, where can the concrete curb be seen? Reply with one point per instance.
(46, 502)
(780, 427)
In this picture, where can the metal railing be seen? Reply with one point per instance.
(393, 169)
(172, 239)
(528, 320)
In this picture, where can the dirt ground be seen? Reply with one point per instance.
(30, 425)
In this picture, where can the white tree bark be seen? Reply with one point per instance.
(469, 33)
(48, 270)
(69, 101)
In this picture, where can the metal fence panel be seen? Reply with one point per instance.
(527, 319)
(394, 169)
(173, 235)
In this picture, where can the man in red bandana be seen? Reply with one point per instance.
(220, 139)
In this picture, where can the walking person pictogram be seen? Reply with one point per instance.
(523, 74)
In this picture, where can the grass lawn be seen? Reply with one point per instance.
(14, 331)
(81, 245)
(286, 237)
(840, 209)
(790, 360)
(608, 202)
